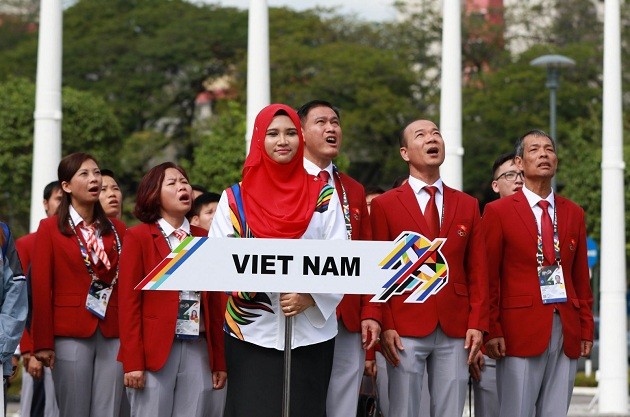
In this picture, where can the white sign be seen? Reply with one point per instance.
(309, 266)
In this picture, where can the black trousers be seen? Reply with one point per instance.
(256, 377)
(38, 403)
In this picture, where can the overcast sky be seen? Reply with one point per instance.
(375, 10)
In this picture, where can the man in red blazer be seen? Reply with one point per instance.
(537, 338)
(442, 334)
(358, 319)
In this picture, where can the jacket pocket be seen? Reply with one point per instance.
(460, 289)
(518, 301)
(69, 300)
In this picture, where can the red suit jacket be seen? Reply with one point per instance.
(463, 303)
(148, 318)
(60, 284)
(516, 309)
(24, 246)
(353, 307)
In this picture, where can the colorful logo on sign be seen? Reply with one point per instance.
(419, 266)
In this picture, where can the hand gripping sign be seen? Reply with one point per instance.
(410, 264)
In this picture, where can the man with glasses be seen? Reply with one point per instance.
(506, 180)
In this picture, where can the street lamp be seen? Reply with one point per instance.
(553, 63)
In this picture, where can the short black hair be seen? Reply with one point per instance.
(203, 199)
(48, 190)
(400, 181)
(306, 108)
(108, 173)
(373, 189)
(501, 159)
(402, 140)
(519, 148)
(197, 187)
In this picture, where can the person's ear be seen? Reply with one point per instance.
(404, 154)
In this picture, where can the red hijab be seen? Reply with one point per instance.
(279, 199)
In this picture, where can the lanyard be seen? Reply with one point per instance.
(86, 255)
(345, 204)
(168, 242)
(540, 256)
(182, 294)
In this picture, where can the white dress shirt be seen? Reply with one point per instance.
(533, 199)
(169, 230)
(77, 220)
(423, 196)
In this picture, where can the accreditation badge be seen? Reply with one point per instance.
(98, 298)
(188, 313)
(552, 287)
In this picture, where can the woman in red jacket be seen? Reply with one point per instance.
(171, 362)
(76, 261)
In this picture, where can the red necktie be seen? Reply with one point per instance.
(92, 243)
(546, 227)
(324, 176)
(431, 212)
(180, 234)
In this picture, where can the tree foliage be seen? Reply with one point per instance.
(148, 59)
(219, 153)
(88, 125)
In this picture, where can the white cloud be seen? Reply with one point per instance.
(373, 10)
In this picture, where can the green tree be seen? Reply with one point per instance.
(353, 65)
(147, 58)
(88, 125)
(219, 150)
(514, 101)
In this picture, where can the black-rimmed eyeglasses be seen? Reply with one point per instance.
(510, 175)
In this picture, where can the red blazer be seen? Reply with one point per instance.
(24, 246)
(516, 309)
(463, 303)
(148, 318)
(60, 284)
(354, 307)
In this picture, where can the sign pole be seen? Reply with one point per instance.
(286, 394)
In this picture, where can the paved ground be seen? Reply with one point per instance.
(580, 405)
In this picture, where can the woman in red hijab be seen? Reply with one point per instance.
(278, 199)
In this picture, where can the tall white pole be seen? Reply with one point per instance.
(47, 137)
(258, 84)
(451, 94)
(613, 378)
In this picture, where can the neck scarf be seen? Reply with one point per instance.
(278, 199)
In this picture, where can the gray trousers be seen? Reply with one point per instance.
(88, 378)
(181, 388)
(444, 359)
(486, 396)
(543, 384)
(382, 387)
(26, 394)
(347, 373)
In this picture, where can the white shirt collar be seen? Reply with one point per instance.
(533, 198)
(75, 216)
(313, 169)
(168, 229)
(417, 185)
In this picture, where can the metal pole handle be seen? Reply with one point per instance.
(286, 395)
